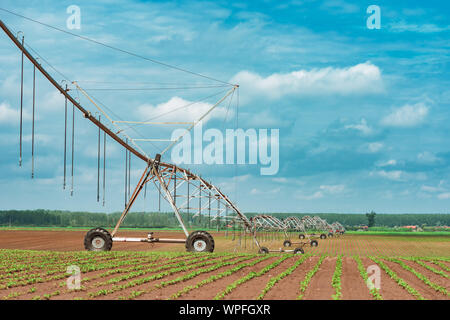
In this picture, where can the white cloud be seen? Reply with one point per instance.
(391, 175)
(406, 116)
(431, 189)
(362, 127)
(178, 109)
(375, 146)
(316, 195)
(323, 190)
(443, 196)
(424, 28)
(280, 180)
(11, 116)
(387, 163)
(359, 79)
(256, 191)
(333, 189)
(339, 6)
(427, 157)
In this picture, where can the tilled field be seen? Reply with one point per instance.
(26, 274)
(348, 244)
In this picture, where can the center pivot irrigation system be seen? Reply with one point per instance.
(199, 194)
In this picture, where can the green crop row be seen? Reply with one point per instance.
(336, 280)
(419, 275)
(363, 272)
(158, 276)
(308, 277)
(248, 277)
(216, 277)
(272, 281)
(188, 276)
(397, 279)
(426, 266)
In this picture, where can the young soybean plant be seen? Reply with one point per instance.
(362, 271)
(308, 277)
(336, 280)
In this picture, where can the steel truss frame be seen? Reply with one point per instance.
(168, 177)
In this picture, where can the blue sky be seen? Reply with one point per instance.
(363, 114)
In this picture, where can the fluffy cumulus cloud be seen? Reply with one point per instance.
(322, 192)
(406, 116)
(179, 109)
(10, 116)
(359, 79)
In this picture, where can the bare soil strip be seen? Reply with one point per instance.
(413, 281)
(352, 284)
(389, 289)
(209, 291)
(433, 277)
(288, 288)
(252, 288)
(168, 291)
(320, 286)
(54, 285)
(150, 285)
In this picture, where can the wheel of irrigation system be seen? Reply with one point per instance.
(301, 236)
(263, 250)
(314, 243)
(98, 239)
(330, 235)
(323, 236)
(200, 241)
(299, 251)
(287, 243)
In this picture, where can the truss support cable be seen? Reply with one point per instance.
(104, 166)
(98, 161)
(73, 146)
(126, 177)
(175, 186)
(65, 142)
(209, 210)
(129, 175)
(200, 202)
(159, 198)
(188, 199)
(21, 107)
(32, 122)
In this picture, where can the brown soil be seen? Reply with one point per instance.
(389, 289)
(209, 291)
(320, 286)
(352, 284)
(426, 291)
(433, 277)
(257, 284)
(288, 288)
(73, 240)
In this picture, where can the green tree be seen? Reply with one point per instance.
(371, 218)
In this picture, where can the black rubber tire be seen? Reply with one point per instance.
(299, 251)
(323, 236)
(193, 243)
(287, 243)
(263, 250)
(98, 233)
(314, 243)
(301, 236)
(330, 235)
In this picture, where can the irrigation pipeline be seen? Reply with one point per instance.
(87, 114)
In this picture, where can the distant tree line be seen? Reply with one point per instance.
(57, 218)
